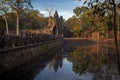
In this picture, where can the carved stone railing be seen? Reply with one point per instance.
(14, 57)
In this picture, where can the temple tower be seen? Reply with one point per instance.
(55, 24)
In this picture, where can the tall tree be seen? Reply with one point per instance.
(50, 11)
(4, 8)
(115, 33)
(50, 14)
(101, 7)
(18, 6)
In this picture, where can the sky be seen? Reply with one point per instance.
(64, 7)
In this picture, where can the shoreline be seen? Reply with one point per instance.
(87, 41)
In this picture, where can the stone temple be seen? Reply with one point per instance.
(55, 24)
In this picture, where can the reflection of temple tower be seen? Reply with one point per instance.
(56, 63)
(55, 24)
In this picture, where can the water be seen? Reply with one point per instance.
(93, 62)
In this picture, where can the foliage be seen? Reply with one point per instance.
(77, 30)
(78, 11)
(102, 8)
(4, 8)
(31, 19)
(92, 22)
(21, 14)
(87, 62)
(73, 21)
(19, 6)
(80, 62)
(2, 23)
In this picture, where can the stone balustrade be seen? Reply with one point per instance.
(15, 57)
(10, 41)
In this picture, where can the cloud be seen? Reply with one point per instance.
(44, 12)
(65, 14)
(64, 7)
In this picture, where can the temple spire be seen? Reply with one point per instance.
(56, 15)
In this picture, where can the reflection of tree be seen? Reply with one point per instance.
(80, 62)
(103, 77)
(87, 62)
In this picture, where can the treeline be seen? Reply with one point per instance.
(19, 14)
(31, 19)
(88, 23)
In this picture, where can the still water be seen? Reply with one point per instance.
(93, 62)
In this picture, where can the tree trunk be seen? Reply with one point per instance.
(115, 36)
(17, 27)
(6, 22)
(118, 28)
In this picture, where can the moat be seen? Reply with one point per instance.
(76, 62)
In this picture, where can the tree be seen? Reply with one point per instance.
(93, 22)
(33, 19)
(73, 21)
(38, 18)
(50, 11)
(100, 8)
(19, 6)
(4, 8)
(77, 30)
(78, 11)
(88, 20)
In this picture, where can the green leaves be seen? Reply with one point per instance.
(20, 4)
(78, 11)
(77, 31)
(4, 6)
(100, 7)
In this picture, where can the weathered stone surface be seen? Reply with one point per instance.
(55, 25)
(27, 37)
(12, 58)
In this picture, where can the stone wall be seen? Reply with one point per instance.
(12, 58)
(26, 38)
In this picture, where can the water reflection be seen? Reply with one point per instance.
(95, 62)
(56, 63)
(87, 62)
(28, 71)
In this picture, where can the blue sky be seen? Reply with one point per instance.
(64, 7)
